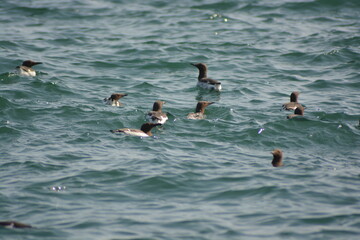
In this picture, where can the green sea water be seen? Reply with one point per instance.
(66, 174)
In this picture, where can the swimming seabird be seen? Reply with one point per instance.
(293, 104)
(13, 224)
(113, 100)
(199, 111)
(203, 80)
(156, 115)
(145, 130)
(299, 111)
(25, 69)
(277, 158)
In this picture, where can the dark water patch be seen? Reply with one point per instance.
(220, 6)
(328, 199)
(19, 98)
(322, 84)
(238, 194)
(87, 224)
(42, 167)
(146, 87)
(336, 233)
(157, 184)
(8, 78)
(33, 10)
(315, 5)
(20, 114)
(66, 41)
(323, 19)
(18, 170)
(51, 88)
(335, 118)
(271, 16)
(352, 41)
(102, 64)
(72, 112)
(109, 176)
(68, 156)
(287, 77)
(5, 104)
(9, 135)
(338, 3)
(296, 56)
(328, 58)
(332, 219)
(257, 8)
(8, 44)
(8, 130)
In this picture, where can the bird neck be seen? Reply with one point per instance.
(146, 130)
(293, 98)
(202, 73)
(199, 109)
(157, 107)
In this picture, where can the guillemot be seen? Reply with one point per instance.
(13, 224)
(293, 104)
(113, 100)
(145, 130)
(299, 111)
(203, 80)
(199, 111)
(26, 70)
(277, 158)
(156, 115)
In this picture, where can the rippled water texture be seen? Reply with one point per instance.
(66, 174)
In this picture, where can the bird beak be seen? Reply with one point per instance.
(193, 64)
(36, 63)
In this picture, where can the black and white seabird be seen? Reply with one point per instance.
(199, 111)
(299, 111)
(113, 100)
(145, 130)
(13, 224)
(293, 104)
(26, 68)
(277, 158)
(156, 115)
(203, 80)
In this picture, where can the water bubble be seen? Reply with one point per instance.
(261, 130)
(215, 15)
(58, 188)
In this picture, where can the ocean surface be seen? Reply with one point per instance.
(66, 174)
